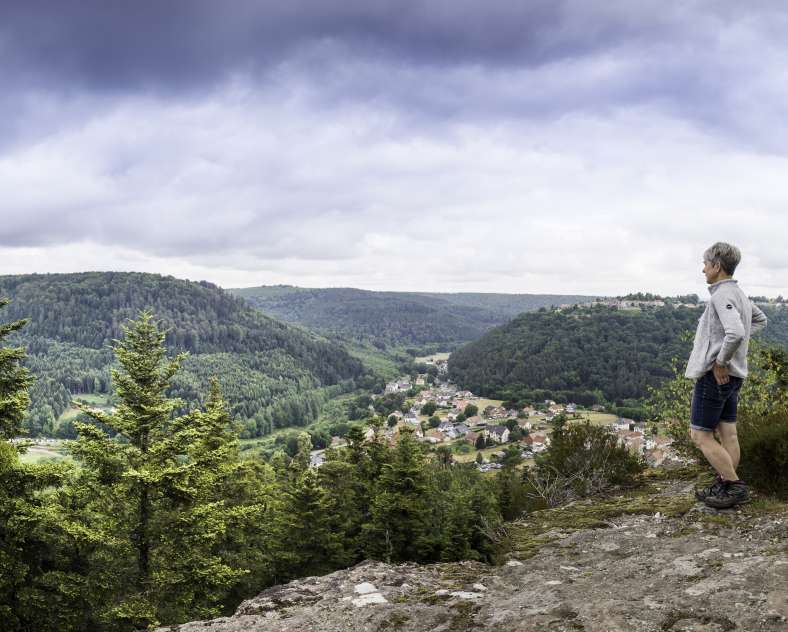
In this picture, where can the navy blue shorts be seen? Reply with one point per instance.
(713, 403)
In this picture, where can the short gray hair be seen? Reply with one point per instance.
(727, 255)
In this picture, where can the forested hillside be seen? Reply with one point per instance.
(271, 373)
(397, 317)
(584, 355)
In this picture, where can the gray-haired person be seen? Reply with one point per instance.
(718, 363)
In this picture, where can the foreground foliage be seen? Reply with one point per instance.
(762, 420)
(162, 522)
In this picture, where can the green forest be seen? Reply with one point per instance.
(158, 520)
(588, 356)
(397, 318)
(274, 374)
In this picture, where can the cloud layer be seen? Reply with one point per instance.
(524, 147)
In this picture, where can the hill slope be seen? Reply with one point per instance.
(271, 373)
(396, 317)
(584, 354)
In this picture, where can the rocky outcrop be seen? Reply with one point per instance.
(653, 562)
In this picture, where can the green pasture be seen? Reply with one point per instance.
(45, 453)
(596, 419)
(435, 357)
(98, 400)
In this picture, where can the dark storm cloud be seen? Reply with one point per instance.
(428, 59)
(114, 45)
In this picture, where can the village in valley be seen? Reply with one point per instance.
(475, 428)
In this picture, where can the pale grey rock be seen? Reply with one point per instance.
(683, 567)
(369, 599)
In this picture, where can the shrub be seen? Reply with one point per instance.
(764, 446)
(764, 393)
(429, 408)
(589, 457)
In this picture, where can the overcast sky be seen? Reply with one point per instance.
(437, 145)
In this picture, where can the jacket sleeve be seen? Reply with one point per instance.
(758, 320)
(732, 324)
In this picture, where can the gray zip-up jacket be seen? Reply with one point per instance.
(724, 330)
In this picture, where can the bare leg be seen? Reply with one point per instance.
(715, 454)
(730, 441)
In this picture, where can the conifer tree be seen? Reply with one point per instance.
(14, 382)
(32, 570)
(154, 484)
(398, 527)
(314, 547)
(345, 513)
(208, 508)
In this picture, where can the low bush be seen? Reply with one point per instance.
(764, 447)
(583, 460)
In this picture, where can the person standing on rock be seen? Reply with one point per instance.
(718, 363)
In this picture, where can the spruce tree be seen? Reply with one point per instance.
(33, 572)
(14, 382)
(207, 509)
(398, 526)
(153, 481)
(314, 548)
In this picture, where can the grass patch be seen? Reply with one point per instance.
(435, 357)
(395, 621)
(481, 404)
(463, 617)
(766, 505)
(97, 400)
(595, 419)
(45, 453)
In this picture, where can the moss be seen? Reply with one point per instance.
(716, 519)
(395, 621)
(530, 534)
(765, 506)
(421, 594)
(464, 612)
(458, 575)
(685, 472)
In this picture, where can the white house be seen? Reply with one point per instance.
(499, 434)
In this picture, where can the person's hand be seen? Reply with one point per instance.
(721, 374)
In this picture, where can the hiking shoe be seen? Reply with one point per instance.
(731, 494)
(710, 490)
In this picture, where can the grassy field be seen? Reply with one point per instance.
(596, 419)
(487, 453)
(435, 357)
(471, 456)
(95, 399)
(481, 404)
(99, 400)
(44, 453)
